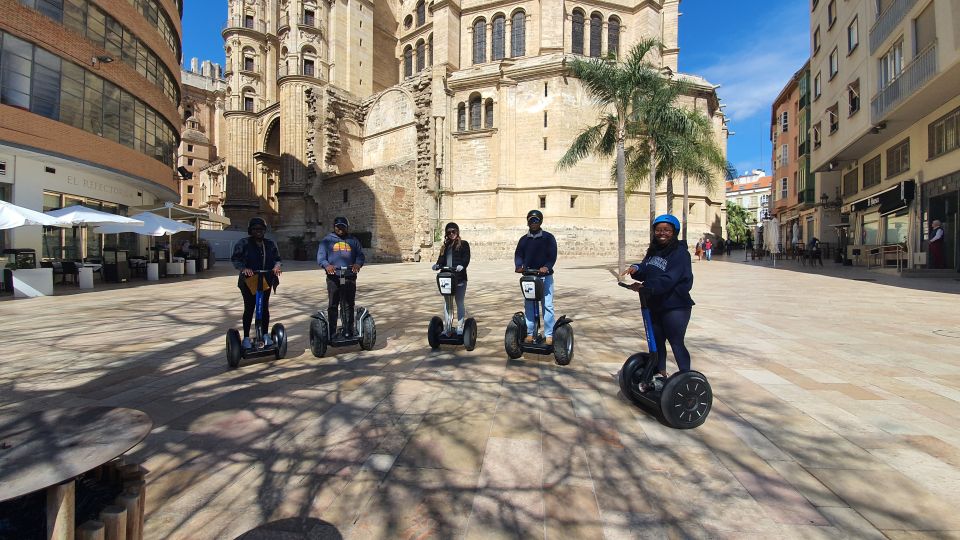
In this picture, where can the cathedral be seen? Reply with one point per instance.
(403, 115)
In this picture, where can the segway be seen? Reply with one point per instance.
(364, 332)
(531, 285)
(235, 349)
(684, 400)
(441, 331)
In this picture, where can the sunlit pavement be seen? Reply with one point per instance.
(837, 409)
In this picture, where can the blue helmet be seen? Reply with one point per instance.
(667, 218)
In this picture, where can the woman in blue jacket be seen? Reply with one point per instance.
(666, 273)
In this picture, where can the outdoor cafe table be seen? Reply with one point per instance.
(44, 449)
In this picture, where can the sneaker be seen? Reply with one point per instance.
(460, 328)
(247, 344)
(658, 383)
(528, 339)
(267, 340)
(549, 340)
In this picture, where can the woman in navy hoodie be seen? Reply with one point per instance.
(666, 273)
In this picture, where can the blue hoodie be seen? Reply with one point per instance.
(340, 251)
(667, 274)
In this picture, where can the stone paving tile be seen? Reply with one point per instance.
(405, 442)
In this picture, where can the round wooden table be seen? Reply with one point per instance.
(48, 449)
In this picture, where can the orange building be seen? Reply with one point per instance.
(89, 97)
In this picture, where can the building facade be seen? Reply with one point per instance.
(202, 133)
(89, 97)
(404, 114)
(753, 192)
(884, 119)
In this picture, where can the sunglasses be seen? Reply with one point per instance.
(533, 220)
(452, 231)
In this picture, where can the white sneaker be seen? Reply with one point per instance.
(460, 328)
(247, 343)
(267, 342)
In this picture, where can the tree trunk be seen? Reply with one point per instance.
(621, 205)
(686, 205)
(670, 194)
(653, 187)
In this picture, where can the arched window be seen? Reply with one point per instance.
(249, 59)
(596, 32)
(249, 96)
(430, 51)
(408, 61)
(309, 56)
(408, 22)
(577, 32)
(488, 113)
(518, 38)
(499, 34)
(613, 36)
(480, 41)
(475, 116)
(421, 55)
(461, 117)
(421, 13)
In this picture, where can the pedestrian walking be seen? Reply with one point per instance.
(699, 249)
(708, 249)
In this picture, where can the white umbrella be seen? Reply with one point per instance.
(771, 236)
(12, 216)
(79, 215)
(150, 225)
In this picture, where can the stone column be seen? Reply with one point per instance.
(508, 38)
(241, 201)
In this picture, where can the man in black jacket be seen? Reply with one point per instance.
(537, 250)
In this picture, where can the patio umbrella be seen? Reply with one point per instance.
(12, 216)
(150, 224)
(772, 235)
(79, 216)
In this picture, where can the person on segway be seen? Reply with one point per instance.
(666, 273)
(456, 256)
(537, 250)
(250, 255)
(340, 249)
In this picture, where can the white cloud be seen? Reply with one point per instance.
(759, 61)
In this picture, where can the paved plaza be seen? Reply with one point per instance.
(836, 411)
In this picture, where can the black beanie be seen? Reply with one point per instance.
(451, 225)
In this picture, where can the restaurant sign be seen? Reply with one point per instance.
(889, 201)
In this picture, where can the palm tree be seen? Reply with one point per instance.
(635, 100)
(690, 152)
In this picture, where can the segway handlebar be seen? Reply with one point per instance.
(644, 294)
(528, 272)
(344, 272)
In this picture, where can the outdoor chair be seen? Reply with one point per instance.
(70, 268)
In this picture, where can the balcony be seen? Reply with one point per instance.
(888, 21)
(240, 23)
(920, 70)
(284, 23)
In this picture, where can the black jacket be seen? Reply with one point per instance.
(247, 254)
(668, 275)
(461, 257)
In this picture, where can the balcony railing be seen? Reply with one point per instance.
(284, 21)
(888, 21)
(295, 69)
(240, 22)
(920, 70)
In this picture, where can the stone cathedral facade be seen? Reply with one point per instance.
(405, 114)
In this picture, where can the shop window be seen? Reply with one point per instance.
(898, 158)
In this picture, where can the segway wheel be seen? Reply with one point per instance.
(318, 337)
(369, 336)
(279, 335)
(234, 348)
(686, 400)
(433, 332)
(630, 375)
(511, 340)
(563, 345)
(470, 334)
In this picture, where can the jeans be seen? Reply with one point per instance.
(530, 309)
(459, 296)
(250, 305)
(337, 294)
(709, 253)
(671, 325)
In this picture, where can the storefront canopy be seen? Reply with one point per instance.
(182, 213)
(889, 200)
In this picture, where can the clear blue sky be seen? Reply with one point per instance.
(749, 47)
